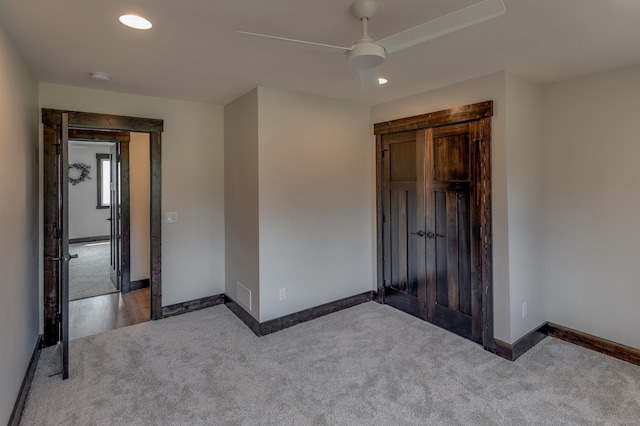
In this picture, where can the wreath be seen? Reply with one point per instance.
(79, 172)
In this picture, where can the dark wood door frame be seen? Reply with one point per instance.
(481, 113)
(85, 122)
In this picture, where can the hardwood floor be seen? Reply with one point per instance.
(98, 314)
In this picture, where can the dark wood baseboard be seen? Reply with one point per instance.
(503, 349)
(287, 321)
(277, 324)
(244, 316)
(519, 347)
(192, 305)
(89, 239)
(21, 400)
(138, 285)
(598, 344)
(604, 346)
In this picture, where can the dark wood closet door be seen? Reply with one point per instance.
(434, 218)
(454, 297)
(404, 220)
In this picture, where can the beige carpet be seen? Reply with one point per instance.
(89, 273)
(367, 365)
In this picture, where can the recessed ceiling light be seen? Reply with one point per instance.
(102, 76)
(382, 80)
(135, 21)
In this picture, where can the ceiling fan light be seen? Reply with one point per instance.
(366, 55)
(135, 21)
(382, 80)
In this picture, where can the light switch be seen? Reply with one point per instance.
(172, 217)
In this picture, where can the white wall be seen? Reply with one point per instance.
(315, 200)
(524, 187)
(139, 203)
(591, 183)
(19, 306)
(241, 199)
(490, 87)
(192, 182)
(85, 220)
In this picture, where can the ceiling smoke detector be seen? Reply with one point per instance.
(100, 76)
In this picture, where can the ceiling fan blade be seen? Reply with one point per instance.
(368, 78)
(291, 40)
(454, 21)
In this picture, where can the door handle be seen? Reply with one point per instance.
(432, 235)
(419, 233)
(109, 219)
(65, 258)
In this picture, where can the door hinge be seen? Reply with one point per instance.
(58, 233)
(481, 232)
(120, 273)
(383, 151)
(384, 218)
(59, 317)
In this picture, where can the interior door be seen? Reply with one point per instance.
(404, 221)
(454, 296)
(64, 241)
(56, 242)
(115, 218)
(432, 244)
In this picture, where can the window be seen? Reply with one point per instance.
(104, 181)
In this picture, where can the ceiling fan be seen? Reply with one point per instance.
(366, 55)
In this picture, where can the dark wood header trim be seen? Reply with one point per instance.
(98, 135)
(435, 119)
(79, 120)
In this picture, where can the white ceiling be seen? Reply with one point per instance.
(193, 52)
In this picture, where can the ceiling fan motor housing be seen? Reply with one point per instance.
(364, 8)
(366, 55)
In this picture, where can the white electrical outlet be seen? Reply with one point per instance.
(524, 310)
(172, 217)
(283, 294)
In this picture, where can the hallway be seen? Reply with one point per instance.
(98, 314)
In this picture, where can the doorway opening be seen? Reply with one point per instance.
(59, 127)
(108, 231)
